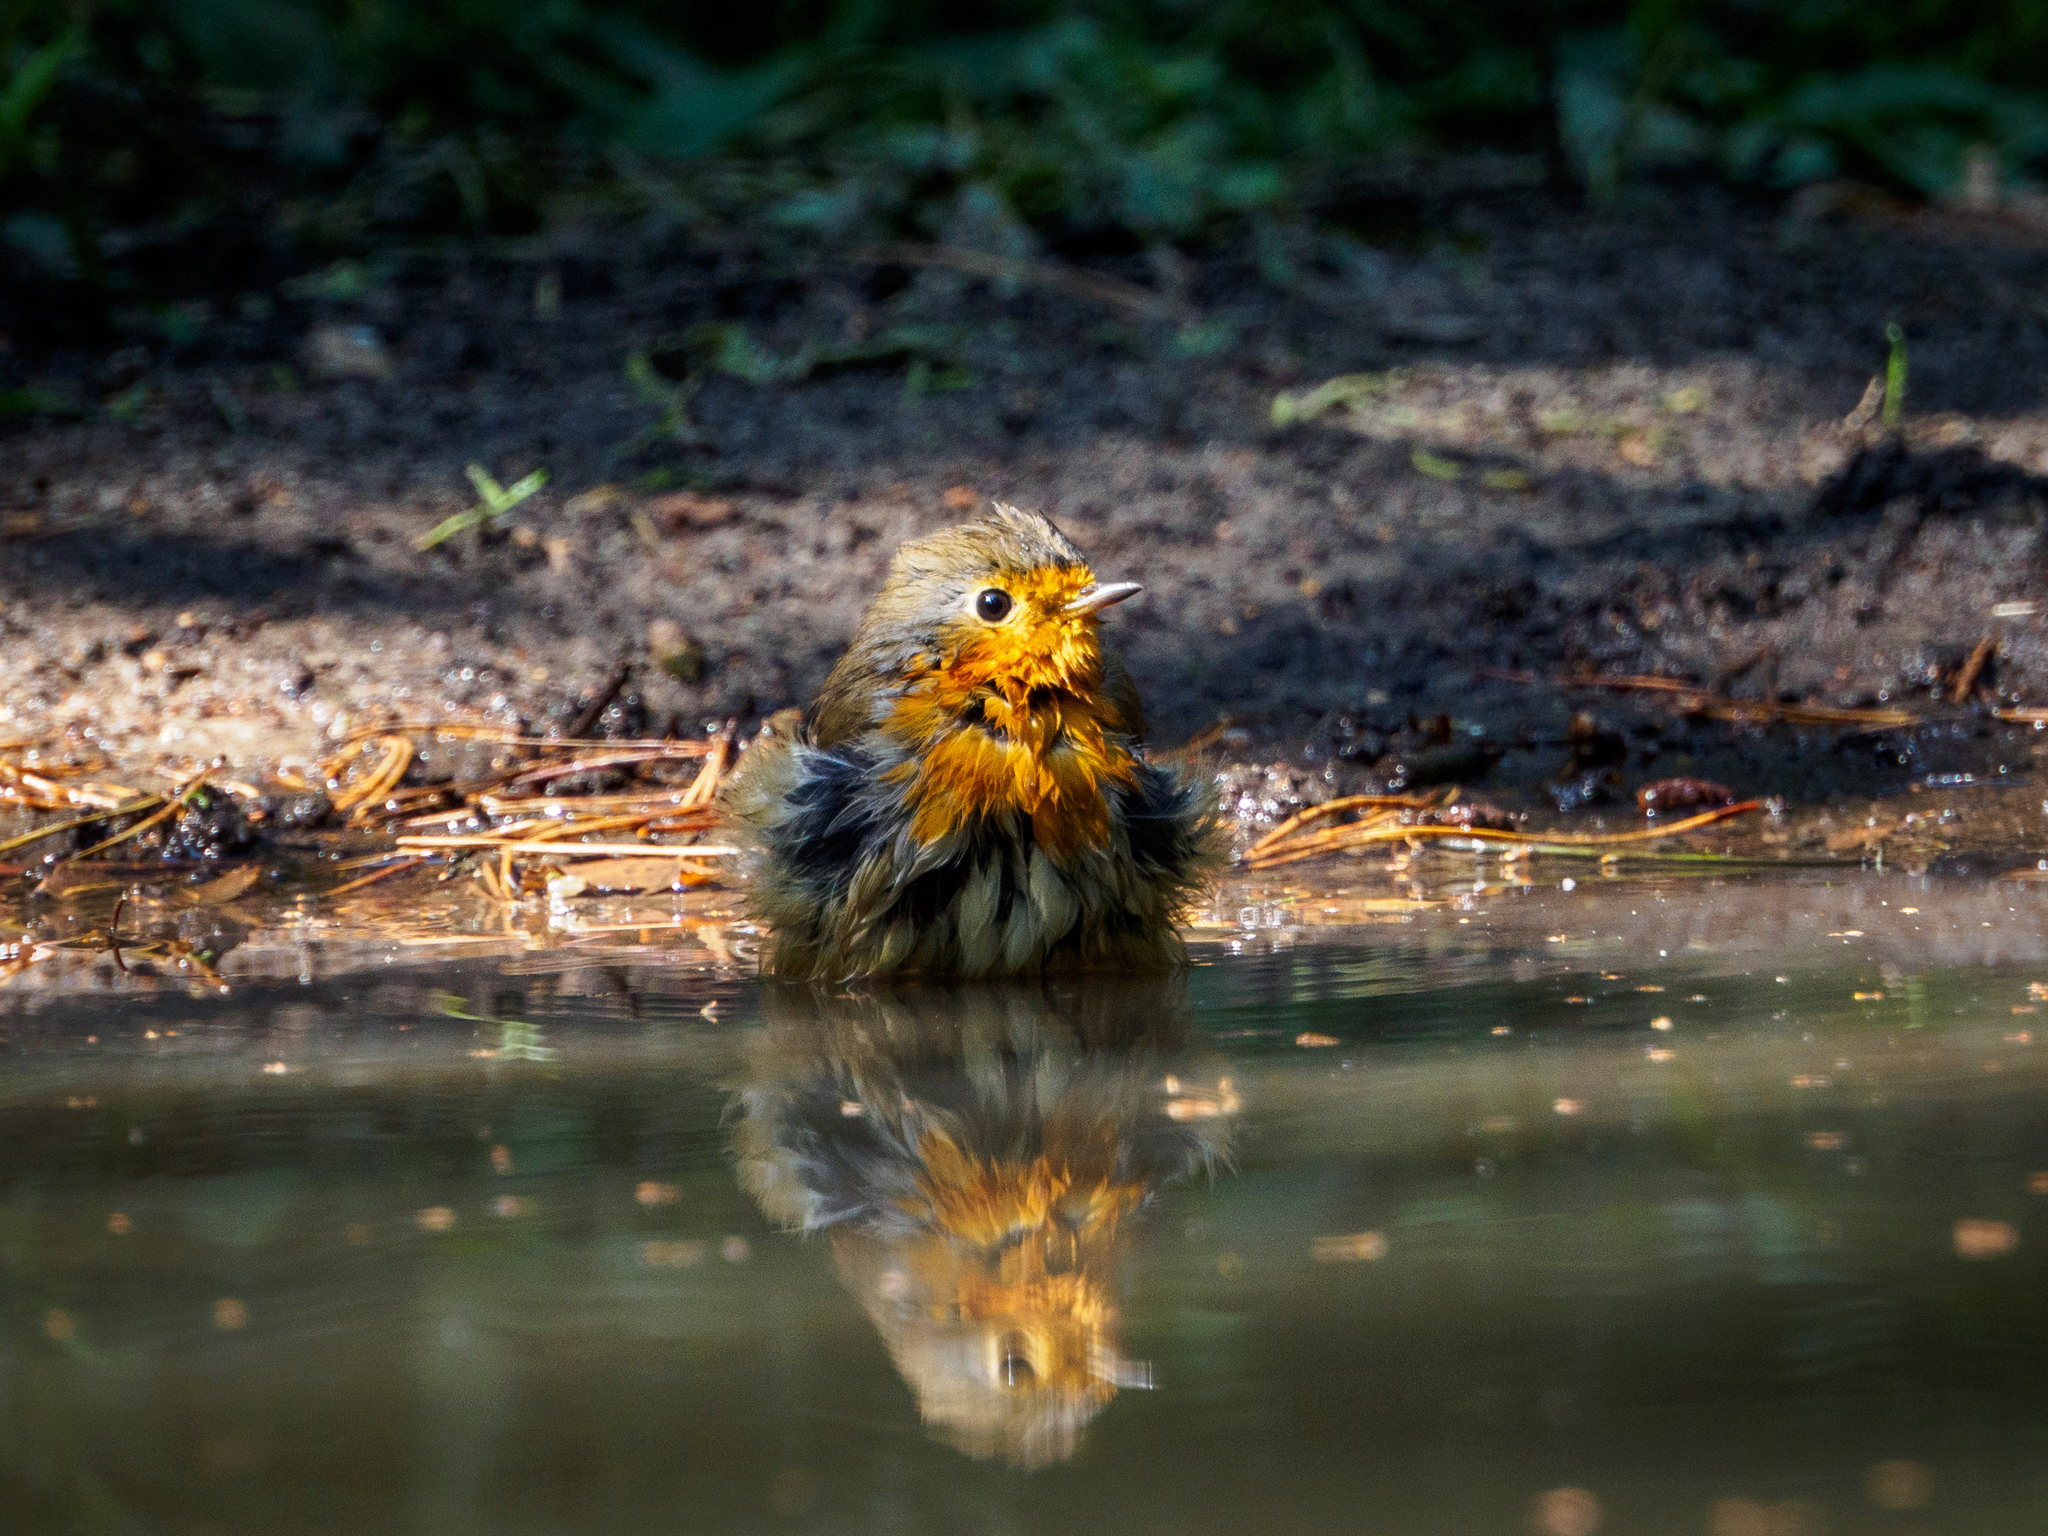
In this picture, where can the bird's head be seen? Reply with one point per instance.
(990, 624)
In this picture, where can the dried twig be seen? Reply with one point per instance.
(1966, 680)
(114, 935)
(626, 758)
(373, 786)
(463, 731)
(1200, 742)
(1345, 803)
(661, 802)
(594, 710)
(1379, 829)
(374, 876)
(1692, 699)
(485, 840)
(140, 803)
(1076, 282)
(170, 809)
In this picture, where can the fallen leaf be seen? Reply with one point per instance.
(1433, 466)
(1640, 451)
(68, 882)
(221, 891)
(599, 498)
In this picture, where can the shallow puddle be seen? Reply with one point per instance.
(1674, 1205)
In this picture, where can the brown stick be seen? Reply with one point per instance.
(573, 850)
(1060, 278)
(371, 879)
(1364, 834)
(465, 732)
(142, 803)
(594, 712)
(1344, 803)
(1966, 680)
(378, 782)
(1694, 699)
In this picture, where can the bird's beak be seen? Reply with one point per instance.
(1101, 595)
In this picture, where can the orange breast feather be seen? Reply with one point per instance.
(1015, 720)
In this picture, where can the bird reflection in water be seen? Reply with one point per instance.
(977, 1154)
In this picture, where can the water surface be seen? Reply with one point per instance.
(1636, 1207)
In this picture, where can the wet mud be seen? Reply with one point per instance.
(1632, 441)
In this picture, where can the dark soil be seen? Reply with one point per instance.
(1613, 442)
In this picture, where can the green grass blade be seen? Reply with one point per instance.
(1895, 378)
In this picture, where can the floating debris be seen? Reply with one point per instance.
(1667, 795)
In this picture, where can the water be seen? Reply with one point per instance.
(1421, 1225)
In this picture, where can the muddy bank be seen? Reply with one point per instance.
(1610, 443)
(222, 896)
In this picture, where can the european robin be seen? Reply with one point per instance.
(979, 1159)
(969, 795)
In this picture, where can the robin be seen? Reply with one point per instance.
(980, 1160)
(969, 795)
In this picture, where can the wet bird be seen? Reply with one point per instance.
(969, 795)
(980, 1160)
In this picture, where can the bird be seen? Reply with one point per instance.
(980, 1160)
(969, 795)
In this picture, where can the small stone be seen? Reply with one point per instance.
(678, 652)
(347, 352)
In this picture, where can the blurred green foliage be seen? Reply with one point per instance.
(1005, 124)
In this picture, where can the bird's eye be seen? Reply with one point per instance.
(994, 605)
(1015, 1370)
